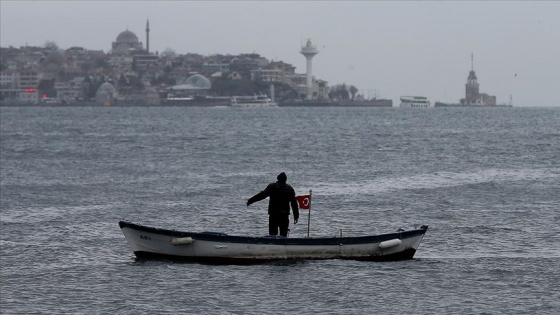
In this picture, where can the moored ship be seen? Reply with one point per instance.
(414, 101)
(252, 101)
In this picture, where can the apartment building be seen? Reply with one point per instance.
(8, 79)
(29, 78)
(70, 90)
(20, 85)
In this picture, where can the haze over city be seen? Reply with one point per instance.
(386, 49)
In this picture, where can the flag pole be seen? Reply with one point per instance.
(309, 213)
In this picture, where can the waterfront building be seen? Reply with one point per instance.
(8, 79)
(276, 71)
(9, 85)
(142, 62)
(120, 63)
(267, 75)
(323, 89)
(20, 85)
(285, 73)
(147, 97)
(28, 96)
(106, 94)
(195, 85)
(29, 78)
(212, 67)
(70, 90)
(298, 82)
(150, 96)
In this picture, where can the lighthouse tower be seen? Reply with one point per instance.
(309, 51)
(472, 92)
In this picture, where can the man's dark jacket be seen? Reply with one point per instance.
(281, 197)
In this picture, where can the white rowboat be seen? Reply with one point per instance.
(210, 247)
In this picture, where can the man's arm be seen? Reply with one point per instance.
(258, 197)
(295, 209)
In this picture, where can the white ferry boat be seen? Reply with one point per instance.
(414, 101)
(252, 101)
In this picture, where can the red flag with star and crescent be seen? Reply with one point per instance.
(304, 201)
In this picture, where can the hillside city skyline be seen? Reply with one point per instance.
(131, 66)
(399, 60)
(61, 75)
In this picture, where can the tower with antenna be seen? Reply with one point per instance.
(473, 97)
(309, 51)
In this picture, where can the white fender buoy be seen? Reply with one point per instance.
(390, 243)
(182, 240)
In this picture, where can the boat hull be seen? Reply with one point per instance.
(153, 243)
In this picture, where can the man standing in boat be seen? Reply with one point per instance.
(281, 197)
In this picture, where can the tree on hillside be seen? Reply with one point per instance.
(46, 88)
(339, 92)
(50, 45)
(228, 87)
(353, 91)
(168, 53)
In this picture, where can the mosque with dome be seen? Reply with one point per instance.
(127, 52)
(127, 42)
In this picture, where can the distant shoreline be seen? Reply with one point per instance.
(205, 103)
(279, 105)
(214, 103)
(439, 104)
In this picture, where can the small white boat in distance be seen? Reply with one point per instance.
(415, 101)
(252, 101)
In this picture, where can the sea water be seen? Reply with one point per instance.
(486, 181)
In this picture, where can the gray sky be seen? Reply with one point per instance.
(391, 48)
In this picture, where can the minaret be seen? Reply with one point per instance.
(309, 51)
(147, 35)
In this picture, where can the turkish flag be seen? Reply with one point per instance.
(304, 201)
